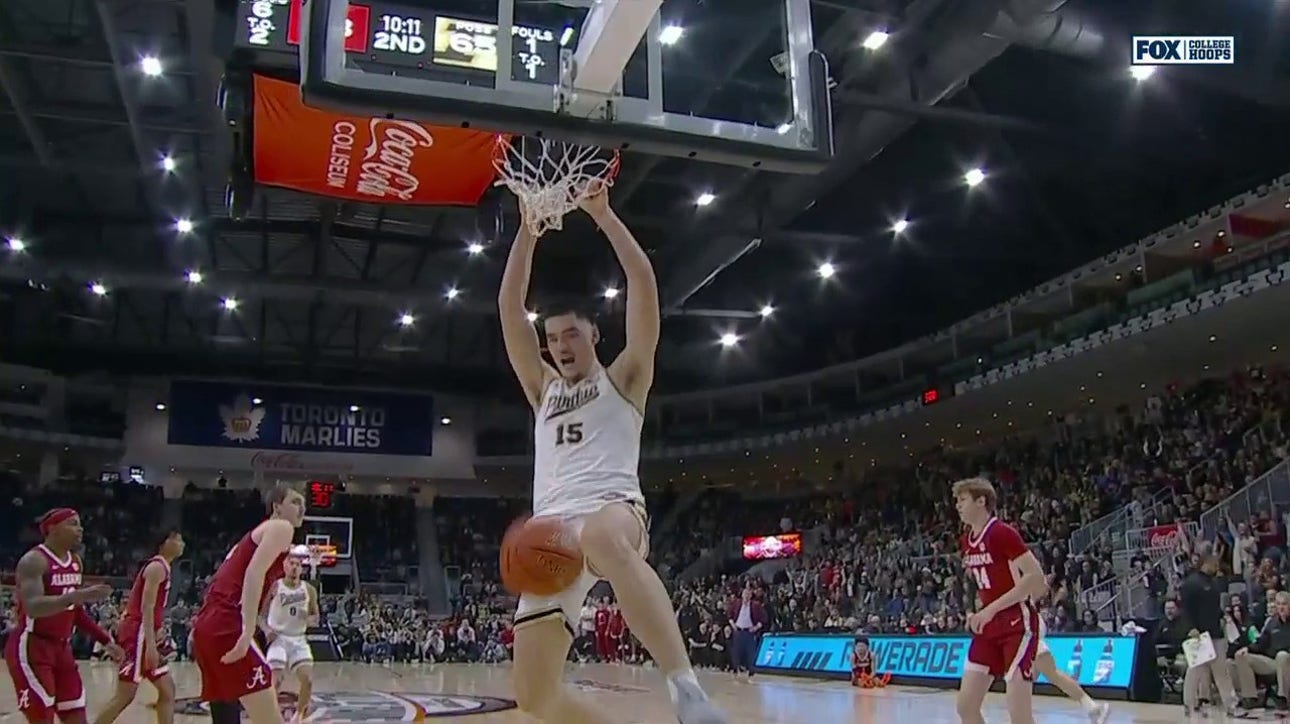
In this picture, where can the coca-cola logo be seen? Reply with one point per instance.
(294, 461)
(386, 171)
(1163, 536)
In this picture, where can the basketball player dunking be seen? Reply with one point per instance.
(1006, 630)
(587, 450)
(51, 604)
(138, 632)
(292, 608)
(234, 670)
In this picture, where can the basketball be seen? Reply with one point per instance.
(539, 556)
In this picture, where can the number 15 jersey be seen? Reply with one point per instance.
(587, 447)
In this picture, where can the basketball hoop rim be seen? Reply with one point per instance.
(503, 142)
(531, 182)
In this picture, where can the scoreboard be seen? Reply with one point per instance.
(397, 38)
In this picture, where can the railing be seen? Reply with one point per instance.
(1268, 491)
(1121, 599)
(1115, 523)
(1159, 536)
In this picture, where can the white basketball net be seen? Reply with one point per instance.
(551, 177)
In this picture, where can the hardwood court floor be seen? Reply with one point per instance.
(465, 693)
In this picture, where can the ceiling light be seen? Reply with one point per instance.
(184, 226)
(704, 199)
(610, 292)
(257, 401)
(406, 319)
(229, 303)
(766, 311)
(445, 420)
(875, 40)
(150, 66)
(1142, 72)
(354, 408)
(900, 226)
(671, 34)
(974, 177)
(161, 407)
(452, 293)
(194, 277)
(531, 316)
(98, 289)
(475, 248)
(168, 164)
(1213, 338)
(826, 270)
(1195, 244)
(729, 339)
(15, 244)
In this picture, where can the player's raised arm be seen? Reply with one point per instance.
(634, 368)
(522, 347)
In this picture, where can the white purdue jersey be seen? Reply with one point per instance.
(289, 609)
(587, 447)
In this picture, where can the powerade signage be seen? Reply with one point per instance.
(306, 419)
(1105, 661)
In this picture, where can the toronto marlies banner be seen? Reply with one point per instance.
(308, 419)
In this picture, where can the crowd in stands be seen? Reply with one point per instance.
(882, 553)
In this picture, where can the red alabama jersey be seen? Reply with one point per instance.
(989, 560)
(134, 605)
(225, 590)
(62, 575)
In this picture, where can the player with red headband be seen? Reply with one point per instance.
(50, 605)
(235, 672)
(138, 632)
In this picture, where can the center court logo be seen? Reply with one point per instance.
(1184, 50)
(349, 707)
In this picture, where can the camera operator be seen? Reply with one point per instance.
(1270, 654)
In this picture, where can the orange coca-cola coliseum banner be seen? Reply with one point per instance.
(372, 160)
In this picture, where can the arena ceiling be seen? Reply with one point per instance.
(1079, 158)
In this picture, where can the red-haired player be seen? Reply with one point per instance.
(1006, 630)
(138, 635)
(235, 673)
(51, 604)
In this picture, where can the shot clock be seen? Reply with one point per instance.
(320, 494)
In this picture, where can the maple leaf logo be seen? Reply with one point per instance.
(242, 420)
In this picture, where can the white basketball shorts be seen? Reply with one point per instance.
(569, 601)
(288, 652)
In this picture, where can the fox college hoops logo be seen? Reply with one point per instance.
(242, 419)
(350, 707)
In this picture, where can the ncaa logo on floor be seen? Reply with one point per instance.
(350, 707)
(1184, 50)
